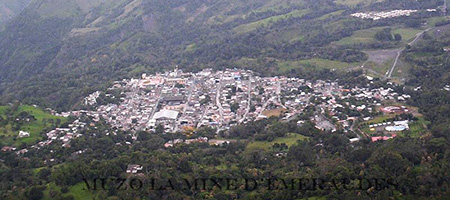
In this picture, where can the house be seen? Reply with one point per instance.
(383, 138)
(392, 109)
(23, 151)
(352, 140)
(398, 126)
(23, 134)
(133, 169)
(219, 142)
(166, 115)
(7, 148)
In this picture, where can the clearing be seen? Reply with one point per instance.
(315, 63)
(34, 127)
(290, 139)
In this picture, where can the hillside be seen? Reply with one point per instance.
(224, 99)
(33, 120)
(11, 8)
(56, 51)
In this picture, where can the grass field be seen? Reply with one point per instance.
(380, 68)
(289, 140)
(355, 2)
(76, 191)
(33, 127)
(431, 22)
(408, 34)
(380, 119)
(417, 128)
(368, 35)
(2, 110)
(265, 22)
(315, 63)
(273, 112)
(339, 12)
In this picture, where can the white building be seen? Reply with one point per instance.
(23, 134)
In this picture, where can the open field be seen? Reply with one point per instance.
(408, 34)
(265, 22)
(366, 36)
(77, 191)
(431, 22)
(379, 68)
(315, 63)
(274, 112)
(337, 13)
(355, 2)
(401, 70)
(289, 140)
(418, 128)
(2, 111)
(34, 127)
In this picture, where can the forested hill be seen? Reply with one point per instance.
(56, 51)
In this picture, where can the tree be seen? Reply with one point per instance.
(398, 37)
(384, 35)
(36, 193)
(159, 128)
(234, 107)
(44, 173)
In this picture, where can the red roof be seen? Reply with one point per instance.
(374, 139)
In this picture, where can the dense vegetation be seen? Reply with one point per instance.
(418, 167)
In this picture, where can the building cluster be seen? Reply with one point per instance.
(171, 143)
(395, 126)
(133, 168)
(179, 101)
(182, 102)
(65, 135)
(383, 15)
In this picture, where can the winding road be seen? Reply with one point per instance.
(399, 53)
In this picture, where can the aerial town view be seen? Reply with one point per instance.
(179, 101)
(224, 99)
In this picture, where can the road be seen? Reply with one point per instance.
(400, 51)
(219, 88)
(199, 124)
(352, 129)
(249, 92)
(159, 97)
(445, 8)
(191, 88)
(278, 94)
(265, 104)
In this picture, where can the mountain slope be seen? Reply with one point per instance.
(11, 8)
(58, 50)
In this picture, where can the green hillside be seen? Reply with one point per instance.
(25, 118)
(57, 51)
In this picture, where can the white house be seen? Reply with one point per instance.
(23, 134)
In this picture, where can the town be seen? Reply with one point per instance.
(383, 15)
(178, 101)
